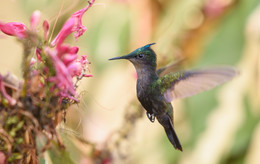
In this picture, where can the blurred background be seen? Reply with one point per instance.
(217, 126)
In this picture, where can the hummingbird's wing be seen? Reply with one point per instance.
(173, 67)
(188, 83)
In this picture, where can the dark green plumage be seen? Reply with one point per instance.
(157, 88)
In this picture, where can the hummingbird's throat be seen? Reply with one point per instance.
(146, 75)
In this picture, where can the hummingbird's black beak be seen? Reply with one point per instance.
(128, 56)
(116, 58)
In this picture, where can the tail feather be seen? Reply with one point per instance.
(166, 122)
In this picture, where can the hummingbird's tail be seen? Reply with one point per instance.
(166, 122)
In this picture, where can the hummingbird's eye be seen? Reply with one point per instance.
(140, 56)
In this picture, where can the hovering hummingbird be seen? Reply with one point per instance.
(157, 88)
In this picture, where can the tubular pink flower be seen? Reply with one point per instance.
(67, 54)
(214, 8)
(84, 64)
(87, 75)
(64, 32)
(62, 50)
(33, 61)
(67, 66)
(46, 28)
(14, 29)
(38, 52)
(75, 69)
(74, 23)
(64, 58)
(84, 60)
(3, 158)
(69, 58)
(62, 79)
(3, 92)
(35, 19)
(74, 50)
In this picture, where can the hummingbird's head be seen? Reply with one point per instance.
(141, 57)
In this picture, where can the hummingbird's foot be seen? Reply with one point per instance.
(150, 116)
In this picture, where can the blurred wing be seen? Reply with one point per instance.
(188, 83)
(173, 67)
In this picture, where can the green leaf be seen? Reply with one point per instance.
(55, 154)
(59, 155)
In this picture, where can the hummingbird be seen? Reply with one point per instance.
(157, 88)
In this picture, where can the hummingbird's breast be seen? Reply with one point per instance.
(150, 97)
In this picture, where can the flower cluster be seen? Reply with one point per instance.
(65, 65)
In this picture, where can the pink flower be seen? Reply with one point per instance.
(74, 23)
(214, 8)
(38, 53)
(3, 159)
(74, 50)
(67, 66)
(80, 67)
(64, 49)
(64, 58)
(14, 29)
(35, 19)
(3, 92)
(46, 27)
(69, 58)
(33, 61)
(19, 29)
(84, 64)
(74, 69)
(62, 79)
